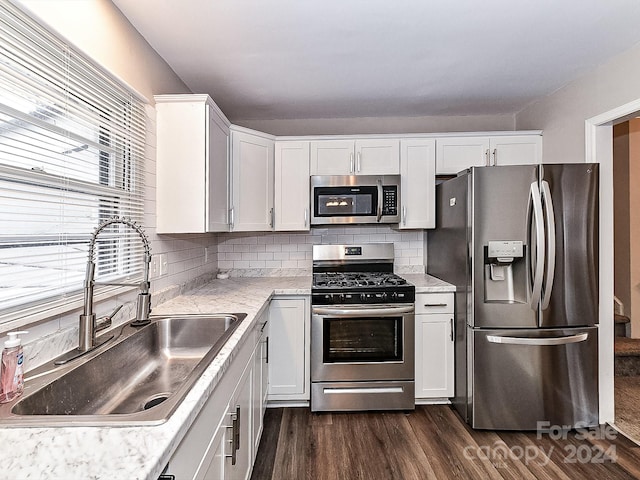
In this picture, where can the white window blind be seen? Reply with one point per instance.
(71, 155)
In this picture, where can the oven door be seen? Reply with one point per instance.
(362, 343)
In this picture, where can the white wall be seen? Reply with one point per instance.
(354, 126)
(99, 29)
(562, 114)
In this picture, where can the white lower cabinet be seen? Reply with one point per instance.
(434, 354)
(289, 341)
(222, 441)
(260, 381)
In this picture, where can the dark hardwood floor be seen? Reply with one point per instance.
(431, 443)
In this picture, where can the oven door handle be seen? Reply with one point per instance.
(386, 310)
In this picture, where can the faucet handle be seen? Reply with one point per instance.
(113, 314)
(105, 322)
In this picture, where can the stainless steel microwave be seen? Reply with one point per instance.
(355, 199)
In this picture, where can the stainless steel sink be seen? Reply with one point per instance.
(140, 377)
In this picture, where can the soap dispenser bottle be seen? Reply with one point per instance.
(11, 374)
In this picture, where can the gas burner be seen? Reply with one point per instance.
(350, 280)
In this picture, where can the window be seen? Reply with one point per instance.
(71, 155)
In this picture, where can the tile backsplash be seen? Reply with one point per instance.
(289, 253)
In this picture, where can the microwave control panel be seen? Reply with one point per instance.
(389, 200)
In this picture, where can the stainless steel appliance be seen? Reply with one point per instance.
(362, 330)
(521, 245)
(355, 199)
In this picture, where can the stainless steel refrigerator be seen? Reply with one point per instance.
(520, 243)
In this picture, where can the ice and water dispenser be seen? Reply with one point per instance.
(505, 273)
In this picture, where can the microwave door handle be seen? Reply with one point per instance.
(379, 216)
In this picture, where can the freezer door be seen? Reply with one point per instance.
(570, 288)
(525, 379)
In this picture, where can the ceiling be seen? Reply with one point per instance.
(294, 59)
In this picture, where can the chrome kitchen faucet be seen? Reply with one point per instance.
(89, 326)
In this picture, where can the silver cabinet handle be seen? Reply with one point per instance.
(271, 217)
(451, 325)
(358, 161)
(551, 242)
(235, 434)
(581, 337)
(306, 216)
(351, 163)
(537, 261)
(404, 214)
(231, 217)
(487, 161)
(435, 305)
(495, 156)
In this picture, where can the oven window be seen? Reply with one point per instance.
(348, 340)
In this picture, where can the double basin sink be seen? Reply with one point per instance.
(139, 377)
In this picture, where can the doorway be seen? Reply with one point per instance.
(626, 175)
(599, 148)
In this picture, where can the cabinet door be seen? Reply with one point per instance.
(180, 169)
(332, 157)
(260, 382)
(213, 465)
(291, 185)
(289, 349)
(516, 150)
(434, 356)
(240, 407)
(377, 157)
(454, 154)
(417, 170)
(217, 173)
(252, 173)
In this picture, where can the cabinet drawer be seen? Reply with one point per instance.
(434, 303)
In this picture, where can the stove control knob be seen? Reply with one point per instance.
(363, 296)
(394, 295)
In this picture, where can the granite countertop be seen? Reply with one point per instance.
(141, 452)
(428, 284)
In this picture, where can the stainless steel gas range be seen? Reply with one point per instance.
(362, 330)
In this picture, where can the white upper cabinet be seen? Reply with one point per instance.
(291, 202)
(355, 157)
(252, 164)
(516, 150)
(454, 154)
(417, 190)
(192, 170)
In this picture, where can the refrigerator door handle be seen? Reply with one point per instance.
(551, 243)
(537, 261)
(537, 341)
